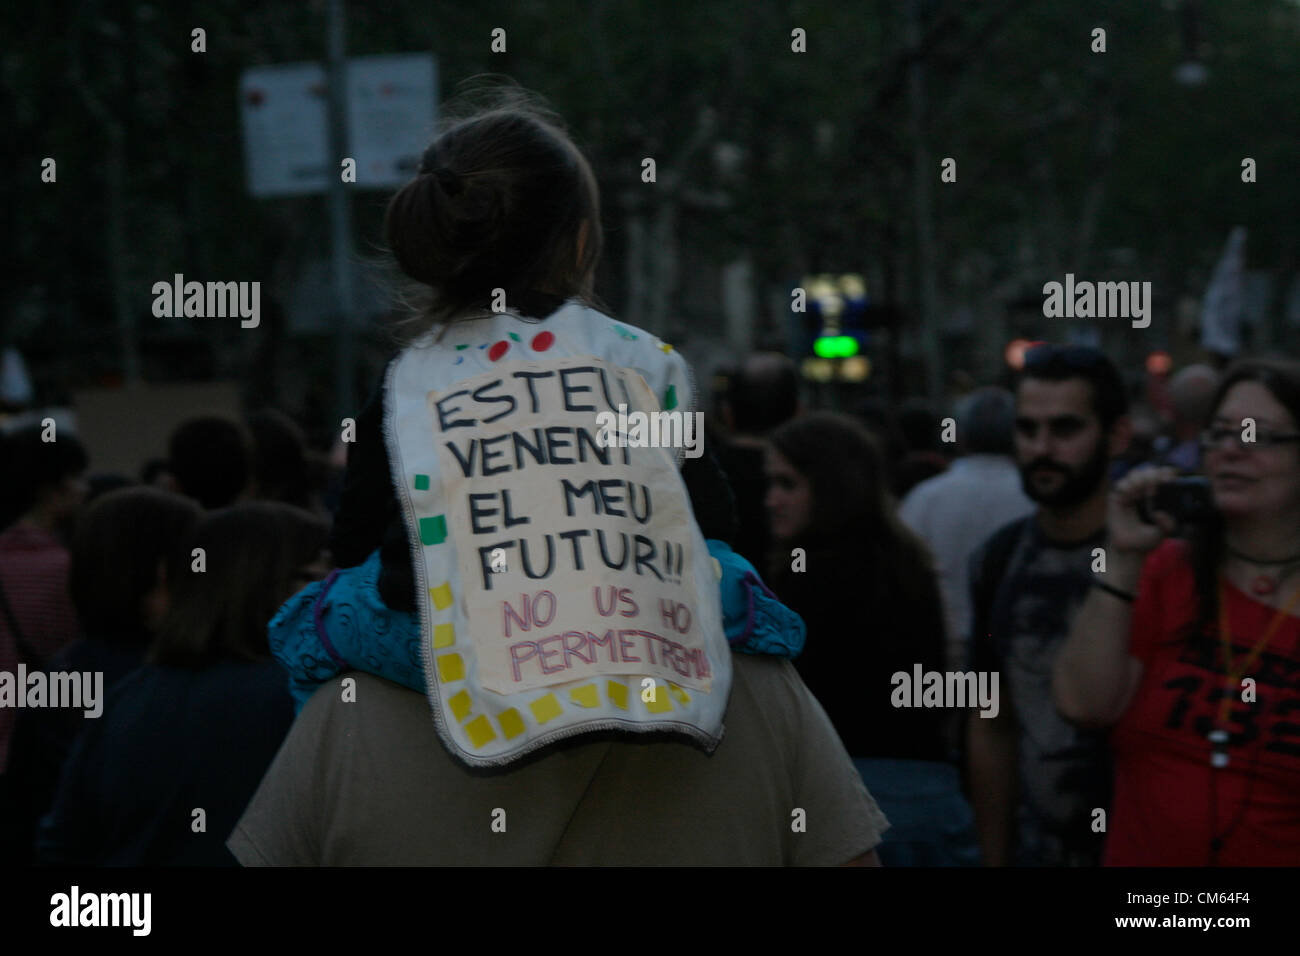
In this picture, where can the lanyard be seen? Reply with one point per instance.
(1234, 676)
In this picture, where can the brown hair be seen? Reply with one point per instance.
(251, 553)
(500, 200)
(120, 540)
(853, 511)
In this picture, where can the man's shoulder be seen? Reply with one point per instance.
(373, 694)
(764, 688)
(768, 689)
(998, 545)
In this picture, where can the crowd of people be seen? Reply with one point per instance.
(1147, 659)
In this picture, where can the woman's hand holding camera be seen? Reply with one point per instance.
(1129, 537)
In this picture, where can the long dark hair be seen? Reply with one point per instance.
(853, 511)
(500, 199)
(251, 553)
(1281, 377)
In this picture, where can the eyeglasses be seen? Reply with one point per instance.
(1214, 437)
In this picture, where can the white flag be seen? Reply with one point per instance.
(15, 385)
(1222, 307)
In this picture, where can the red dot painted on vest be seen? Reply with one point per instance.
(543, 341)
(497, 350)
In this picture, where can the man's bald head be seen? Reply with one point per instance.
(762, 393)
(1191, 391)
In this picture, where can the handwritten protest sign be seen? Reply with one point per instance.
(576, 555)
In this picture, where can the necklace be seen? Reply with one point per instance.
(1263, 584)
(1232, 675)
(1219, 736)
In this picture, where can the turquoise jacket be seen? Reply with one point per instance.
(342, 624)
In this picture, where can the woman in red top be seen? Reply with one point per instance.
(1190, 649)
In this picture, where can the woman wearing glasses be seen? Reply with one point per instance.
(1190, 648)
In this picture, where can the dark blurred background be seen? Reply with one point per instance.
(772, 167)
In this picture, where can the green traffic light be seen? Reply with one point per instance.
(836, 346)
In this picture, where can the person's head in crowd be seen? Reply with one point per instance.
(43, 481)
(1191, 394)
(1255, 484)
(761, 394)
(116, 578)
(155, 473)
(986, 422)
(100, 484)
(1260, 477)
(1071, 420)
(924, 454)
(1144, 435)
(878, 416)
(921, 427)
(210, 460)
(280, 467)
(503, 199)
(828, 488)
(255, 556)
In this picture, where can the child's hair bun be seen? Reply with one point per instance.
(503, 199)
(440, 223)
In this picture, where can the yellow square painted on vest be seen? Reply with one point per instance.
(461, 705)
(618, 694)
(444, 635)
(480, 731)
(585, 696)
(546, 708)
(441, 596)
(512, 725)
(661, 702)
(450, 668)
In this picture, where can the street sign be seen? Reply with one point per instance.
(391, 112)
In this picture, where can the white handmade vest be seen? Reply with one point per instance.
(562, 582)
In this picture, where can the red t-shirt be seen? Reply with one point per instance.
(34, 575)
(1164, 792)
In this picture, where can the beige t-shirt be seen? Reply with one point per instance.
(367, 782)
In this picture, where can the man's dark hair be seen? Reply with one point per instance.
(211, 460)
(763, 393)
(986, 422)
(1060, 363)
(120, 541)
(31, 465)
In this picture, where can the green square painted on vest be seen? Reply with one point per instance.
(433, 530)
(670, 398)
(421, 482)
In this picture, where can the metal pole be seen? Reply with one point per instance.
(923, 172)
(340, 216)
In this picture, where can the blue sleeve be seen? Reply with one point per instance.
(342, 624)
(753, 618)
